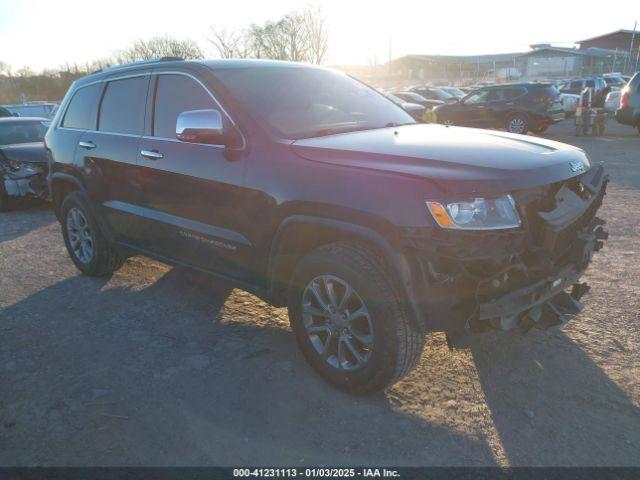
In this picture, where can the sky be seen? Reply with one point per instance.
(49, 33)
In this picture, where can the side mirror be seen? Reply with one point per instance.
(201, 126)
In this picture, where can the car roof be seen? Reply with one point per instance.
(177, 62)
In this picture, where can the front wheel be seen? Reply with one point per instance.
(517, 123)
(348, 320)
(447, 122)
(90, 250)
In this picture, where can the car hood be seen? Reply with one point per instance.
(456, 159)
(25, 152)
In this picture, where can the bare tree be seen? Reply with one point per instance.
(158, 47)
(297, 37)
(317, 34)
(230, 43)
(284, 39)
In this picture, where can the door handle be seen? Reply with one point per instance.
(87, 145)
(151, 154)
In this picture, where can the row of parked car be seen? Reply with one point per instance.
(29, 109)
(517, 107)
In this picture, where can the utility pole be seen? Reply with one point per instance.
(633, 37)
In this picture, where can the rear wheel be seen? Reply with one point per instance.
(348, 320)
(448, 122)
(90, 250)
(517, 123)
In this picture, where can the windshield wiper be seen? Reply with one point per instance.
(394, 124)
(325, 132)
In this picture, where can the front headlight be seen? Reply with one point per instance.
(476, 214)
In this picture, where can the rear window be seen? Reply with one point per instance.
(123, 105)
(81, 112)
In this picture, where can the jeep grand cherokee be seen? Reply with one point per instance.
(316, 192)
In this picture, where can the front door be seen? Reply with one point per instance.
(473, 112)
(193, 193)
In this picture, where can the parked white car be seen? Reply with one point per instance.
(612, 102)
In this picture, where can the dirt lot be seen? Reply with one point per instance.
(160, 366)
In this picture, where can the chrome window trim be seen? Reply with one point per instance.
(213, 97)
(165, 139)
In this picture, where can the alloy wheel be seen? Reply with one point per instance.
(516, 125)
(80, 235)
(337, 322)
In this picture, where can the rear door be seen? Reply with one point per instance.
(109, 153)
(193, 193)
(79, 115)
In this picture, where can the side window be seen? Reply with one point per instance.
(176, 94)
(576, 85)
(591, 84)
(81, 112)
(477, 97)
(122, 107)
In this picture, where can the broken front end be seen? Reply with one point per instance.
(525, 277)
(23, 171)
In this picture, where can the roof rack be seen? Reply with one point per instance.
(141, 62)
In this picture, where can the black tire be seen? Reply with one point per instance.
(397, 343)
(519, 119)
(105, 259)
(5, 201)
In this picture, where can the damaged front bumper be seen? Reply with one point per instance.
(27, 181)
(526, 277)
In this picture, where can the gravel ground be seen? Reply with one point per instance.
(161, 366)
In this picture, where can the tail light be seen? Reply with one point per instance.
(624, 100)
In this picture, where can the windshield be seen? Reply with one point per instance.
(22, 132)
(454, 91)
(414, 97)
(394, 98)
(297, 102)
(440, 94)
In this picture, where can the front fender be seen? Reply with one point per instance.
(341, 230)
